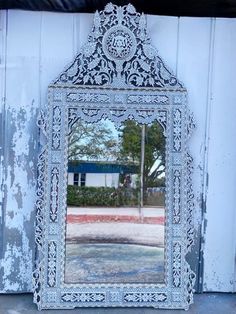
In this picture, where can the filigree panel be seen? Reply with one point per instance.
(190, 202)
(84, 297)
(119, 53)
(177, 125)
(52, 257)
(147, 99)
(148, 297)
(117, 115)
(88, 97)
(54, 194)
(177, 264)
(40, 198)
(56, 128)
(176, 196)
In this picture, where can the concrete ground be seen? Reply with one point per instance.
(208, 303)
(151, 214)
(114, 263)
(148, 234)
(153, 211)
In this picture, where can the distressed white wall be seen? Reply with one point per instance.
(35, 47)
(220, 224)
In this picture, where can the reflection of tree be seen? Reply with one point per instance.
(154, 155)
(92, 141)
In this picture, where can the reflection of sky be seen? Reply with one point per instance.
(155, 166)
(110, 125)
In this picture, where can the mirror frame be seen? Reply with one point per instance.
(70, 98)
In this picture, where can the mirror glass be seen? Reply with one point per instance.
(115, 203)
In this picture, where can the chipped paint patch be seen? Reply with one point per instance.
(19, 197)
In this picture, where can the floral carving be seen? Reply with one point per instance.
(148, 99)
(52, 256)
(147, 297)
(176, 268)
(40, 198)
(56, 133)
(177, 130)
(190, 284)
(176, 203)
(119, 51)
(88, 97)
(41, 122)
(83, 297)
(190, 202)
(91, 114)
(191, 124)
(54, 194)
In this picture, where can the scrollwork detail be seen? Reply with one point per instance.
(91, 115)
(56, 126)
(54, 194)
(190, 202)
(177, 262)
(176, 197)
(52, 257)
(84, 297)
(39, 227)
(177, 128)
(147, 297)
(119, 51)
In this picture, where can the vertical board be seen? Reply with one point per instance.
(193, 68)
(20, 155)
(56, 47)
(3, 35)
(82, 27)
(220, 238)
(163, 31)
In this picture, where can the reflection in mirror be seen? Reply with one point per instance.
(115, 203)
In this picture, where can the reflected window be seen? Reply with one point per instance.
(76, 179)
(82, 179)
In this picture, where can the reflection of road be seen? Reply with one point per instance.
(153, 215)
(114, 263)
(146, 234)
(116, 225)
(114, 245)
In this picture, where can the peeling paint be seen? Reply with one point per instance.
(19, 197)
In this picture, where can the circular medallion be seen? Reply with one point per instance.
(119, 43)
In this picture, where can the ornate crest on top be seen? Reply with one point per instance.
(118, 53)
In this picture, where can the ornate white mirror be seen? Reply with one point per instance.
(115, 199)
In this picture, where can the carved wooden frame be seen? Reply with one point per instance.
(150, 93)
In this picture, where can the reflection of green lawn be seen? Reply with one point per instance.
(113, 263)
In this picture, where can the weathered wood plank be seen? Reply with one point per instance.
(20, 150)
(164, 34)
(220, 238)
(56, 47)
(193, 67)
(3, 35)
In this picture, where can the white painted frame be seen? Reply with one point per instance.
(71, 98)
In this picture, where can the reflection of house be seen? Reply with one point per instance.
(97, 173)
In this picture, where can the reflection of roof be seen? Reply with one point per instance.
(100, 167)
